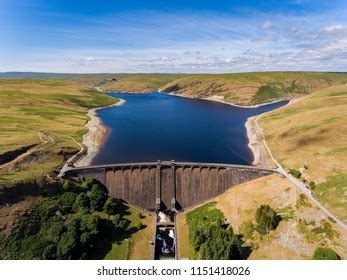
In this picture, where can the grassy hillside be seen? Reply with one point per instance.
(301, 230)
(140, 82)
(42, 123)
(313, 132)
(239, 88)
(254, 88)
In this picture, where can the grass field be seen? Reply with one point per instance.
(185, 250)
(313, 132)
(47, 114)
(135, 246)
(303, 227)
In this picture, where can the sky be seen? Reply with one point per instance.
(191, 36)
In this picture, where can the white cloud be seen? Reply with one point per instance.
(267, 25)
(334, 29)
(295, 30)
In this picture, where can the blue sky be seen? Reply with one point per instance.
(172, 36)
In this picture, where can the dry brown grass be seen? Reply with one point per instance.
(289, 240)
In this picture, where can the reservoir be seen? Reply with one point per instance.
(155, 126)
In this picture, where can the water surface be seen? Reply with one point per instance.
(155, 126)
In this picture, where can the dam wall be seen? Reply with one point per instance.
(168, 185)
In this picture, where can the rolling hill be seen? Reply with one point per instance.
(312, 133)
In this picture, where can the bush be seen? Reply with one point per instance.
(322, 253)
(312, 185)
(295, 173)
(267, 219)
(110, 206)
(66, 185)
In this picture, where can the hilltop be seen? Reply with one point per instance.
(239, 88)
(253, 88)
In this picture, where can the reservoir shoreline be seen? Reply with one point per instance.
(95, 137)
(97, 134)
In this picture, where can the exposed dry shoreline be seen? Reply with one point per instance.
(256, 141)
(217, 99)
(95, 137)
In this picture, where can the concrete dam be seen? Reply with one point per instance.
(171, 185)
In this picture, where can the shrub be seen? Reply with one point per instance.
(267, 219)
(66, 185)
(110, 206)
(312, 185)
(322, 253)
(295, 173)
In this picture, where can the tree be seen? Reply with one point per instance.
(111, 206)
(50, 252)
(295, 173)
(87, 182)
(267, 219)
(67, 201)
(82, 200)
(322, 253)
(68, 243)
(97, 197)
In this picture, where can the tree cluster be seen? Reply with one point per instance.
(267, 219)
(64, 225)
(211, 238)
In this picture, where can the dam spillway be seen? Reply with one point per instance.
(170, 185)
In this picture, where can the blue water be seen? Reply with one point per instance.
(154, 126)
